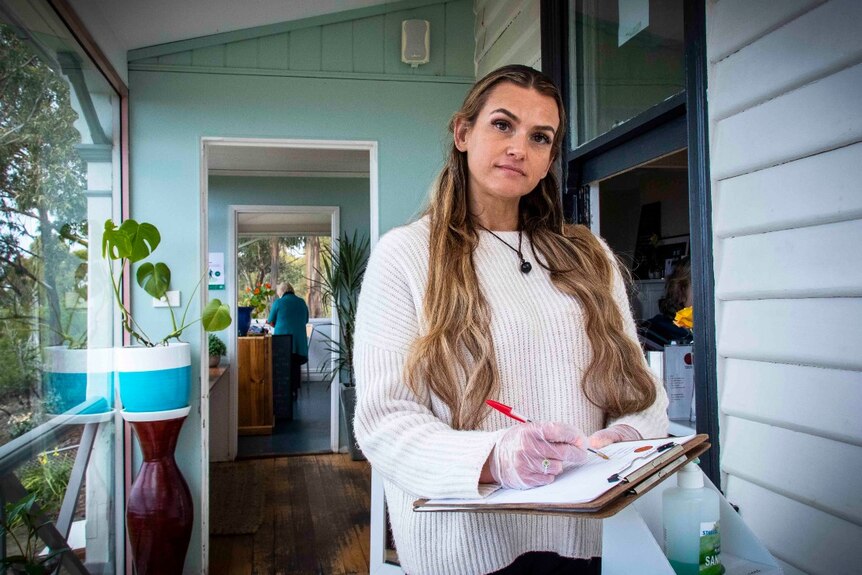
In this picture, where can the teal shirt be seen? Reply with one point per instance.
(288, 316)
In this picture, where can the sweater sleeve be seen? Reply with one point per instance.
(273, 313)
(398, 432)
(652, 421)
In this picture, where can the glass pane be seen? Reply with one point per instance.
(59, 169)
(293, 259)
(626, 56)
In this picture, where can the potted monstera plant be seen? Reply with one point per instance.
(154, 379)
(154, 375)
(340, 279)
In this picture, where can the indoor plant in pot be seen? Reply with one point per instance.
(341, 274)
(217, 348)
(155, 375)
(154, 382)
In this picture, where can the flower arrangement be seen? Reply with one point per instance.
(257, 298)
(685, 318)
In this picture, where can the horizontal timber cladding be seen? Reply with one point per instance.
(336, 45)
(786, 162)
(801, 535)
(507, 33)
(826, 401)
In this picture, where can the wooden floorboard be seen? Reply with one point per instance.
(315, 522)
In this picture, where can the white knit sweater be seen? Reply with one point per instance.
(542, 351)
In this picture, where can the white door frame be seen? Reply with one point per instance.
(334, 213)
(374, 230)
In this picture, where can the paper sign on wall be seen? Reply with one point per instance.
(679, 380)
(216, 271)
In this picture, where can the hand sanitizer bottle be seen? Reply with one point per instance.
(690, 513)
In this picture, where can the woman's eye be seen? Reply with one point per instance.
(541, 138)
(501, 125)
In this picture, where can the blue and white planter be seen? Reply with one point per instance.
(78, 381)
(154, 378)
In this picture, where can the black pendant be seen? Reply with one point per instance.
(526, 267)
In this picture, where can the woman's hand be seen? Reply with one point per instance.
(613, 434)
(533, 454)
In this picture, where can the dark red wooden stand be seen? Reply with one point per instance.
(159, 512)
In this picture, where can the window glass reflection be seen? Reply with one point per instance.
(627, 56)
(58, 175)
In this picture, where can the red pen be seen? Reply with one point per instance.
(509, 412)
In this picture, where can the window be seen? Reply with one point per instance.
(59, 165)
(290, 259)
(626, 57)
(633, 76)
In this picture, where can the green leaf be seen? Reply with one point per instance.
(154, 278)
(144, 239)
(115, 243)
(216, 316)
(132, 241)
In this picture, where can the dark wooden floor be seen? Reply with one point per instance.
(316, 520)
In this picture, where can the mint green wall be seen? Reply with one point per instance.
(171, 112)
(349, 194)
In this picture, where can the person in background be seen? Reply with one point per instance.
(288, 316)
(659, 331)
(490, 295)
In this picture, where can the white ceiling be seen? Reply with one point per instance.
(142, 23)
(287, 162)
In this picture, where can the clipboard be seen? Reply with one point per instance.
(632, 486)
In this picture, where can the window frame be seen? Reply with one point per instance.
(681, 119)
(123, 440)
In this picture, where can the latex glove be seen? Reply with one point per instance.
(533, 454)
(613, 434)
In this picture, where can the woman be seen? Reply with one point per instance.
(659, 330)
(489, 296)
(288, 316)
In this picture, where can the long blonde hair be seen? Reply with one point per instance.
(458, 341)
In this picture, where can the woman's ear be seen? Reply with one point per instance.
(461, 131)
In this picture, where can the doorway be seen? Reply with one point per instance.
(643, 216)
(303, 176)
(271, 246)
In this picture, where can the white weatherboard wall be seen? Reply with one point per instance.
(507, 33)
(785, 88)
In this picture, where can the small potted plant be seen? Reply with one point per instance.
(217, 348)
(156, 374)
(21, 524)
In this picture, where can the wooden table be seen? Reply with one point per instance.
(254, 364)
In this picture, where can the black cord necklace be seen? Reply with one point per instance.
(525, 265)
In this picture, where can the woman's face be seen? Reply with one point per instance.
(509, 145)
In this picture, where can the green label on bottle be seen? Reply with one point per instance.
(710, 549)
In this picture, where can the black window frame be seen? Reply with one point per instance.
(679, 122)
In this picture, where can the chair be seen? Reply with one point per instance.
(282, 386)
